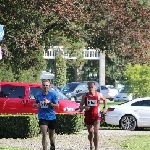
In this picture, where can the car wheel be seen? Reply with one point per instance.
(128, 122)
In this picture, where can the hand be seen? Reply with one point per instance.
(46, 101)
(86, 108)
(103, 111)
(35, 105)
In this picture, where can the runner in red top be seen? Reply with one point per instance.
(91, 103)
(93, 114)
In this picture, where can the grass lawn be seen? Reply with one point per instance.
(136, 142)
(132, 142)
(110, 104)
(12, 148)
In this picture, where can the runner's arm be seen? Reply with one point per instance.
(55, 102)
(82, 103)
(104, 100)
(104, 110)
(35, 104)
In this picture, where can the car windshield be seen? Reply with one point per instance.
(112, 88)
(69, 87)
(59, 94)
(124, 90)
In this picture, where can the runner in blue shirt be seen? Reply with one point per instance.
(47, 102)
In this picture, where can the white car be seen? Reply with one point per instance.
(108, 92)
(130, 115)
(123, 96)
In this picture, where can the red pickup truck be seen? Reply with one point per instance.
(18, 97)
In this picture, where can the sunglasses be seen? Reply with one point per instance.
(45, 85)
(90, 87)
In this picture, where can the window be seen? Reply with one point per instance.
(104, 88)
(145, 103)
(80, 87)
(136, 103)
(70, 87)
(141, 103)
(85, 87)
(34, 91)
(58, 93)
(11, 91)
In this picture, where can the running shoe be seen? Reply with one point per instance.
(52, 148)
(91, 148)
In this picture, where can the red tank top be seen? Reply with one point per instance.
(93, 102)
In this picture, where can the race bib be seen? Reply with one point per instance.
(91, 102)
(43, 105)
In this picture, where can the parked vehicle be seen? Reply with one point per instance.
(130, 114)
(18, 97)
(123, 95)
(75, 90)
(60, 87)
(109, 92)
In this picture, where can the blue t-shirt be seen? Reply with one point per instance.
(45, 111)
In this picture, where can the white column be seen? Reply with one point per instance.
(102, 68)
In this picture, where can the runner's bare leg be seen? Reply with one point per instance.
(96, 136)
(44, 135)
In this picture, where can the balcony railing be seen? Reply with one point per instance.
(89, 54)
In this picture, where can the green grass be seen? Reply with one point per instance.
(12, 148)
(136, 142)
(110, 104)
(114, 103)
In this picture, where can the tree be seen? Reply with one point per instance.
(30, 26)
(60, 70)
(115, 66)
(120, 27)
(137, 79)
(21, 44)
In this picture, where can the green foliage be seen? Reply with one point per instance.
(6, 73)
(29, 25)
(138, 142)
(118, 27)
(29, 76)
(26, 125)
(67, 124)
(137, 79)
(91, 66)
(18, 126)
(70, 74)
(60, 70)
(144, 3)
(22, 41)
(114, 67)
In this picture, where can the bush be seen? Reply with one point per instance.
(67, 124)
(26, 126)
(18, 126)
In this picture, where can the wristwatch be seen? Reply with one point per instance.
(104, 107)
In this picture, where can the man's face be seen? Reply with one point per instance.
(91, 87)
(45, 86)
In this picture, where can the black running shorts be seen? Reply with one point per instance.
(50, 123)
